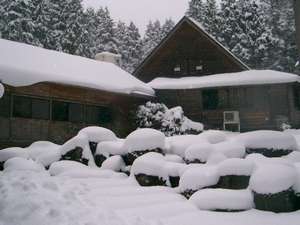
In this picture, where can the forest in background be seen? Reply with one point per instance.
(261, 33)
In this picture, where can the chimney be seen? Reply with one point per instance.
(109, 57)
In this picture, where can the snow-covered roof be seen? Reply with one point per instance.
(251, 77)
(23, 65)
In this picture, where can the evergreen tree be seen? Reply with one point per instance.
(196, 10)
(167, 27)
(153, 36)
(211, 19)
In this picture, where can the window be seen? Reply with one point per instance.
(177, 68)
(60, 111)
(76, 112)
(210, 99)
(297, 97)
(27, 107)
(98, 115)
(22, 107)
(5, 106)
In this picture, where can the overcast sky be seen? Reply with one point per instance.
(141, 11)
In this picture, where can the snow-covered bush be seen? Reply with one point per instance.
(272, 186)
(198, 153)
(1, 90)
(148, 170)
(142, 141)
(114, 163)
(223, 200)
(9, 153)
(22, 164)
(169, 121)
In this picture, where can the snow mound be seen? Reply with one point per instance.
(268, 139)
(151, 164)
(223, 199)
(174, 169)
(144, 139)
(173, 158)
(98, 134)
(114, 163)
(108, 148)
(198, 152)
(1, 90)
(231, 149)
(63, 166)
(293, 157)
(273, 178)
(215, 158)
(9, 153)
(22, 164)
(198, 177)
(213, 136)
(77, 141)
(261, 160)
(237, 167)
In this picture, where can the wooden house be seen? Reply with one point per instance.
(51, 95)
(182, 69)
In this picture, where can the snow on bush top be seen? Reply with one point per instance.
(216, 158)
(8, 153)
(57, 168)
(108, 148)
(114, 163)
(150, 164)
(273, 178)
(41, 65)
(231, 149)
(77, 141)
(198, 177)
(250, 77)
(222, 199)
(268, 139)
(213, 136)
(1, 90)
(98, 134)
(22, 164)
(144, 139)
(238, 167)
(200, 152)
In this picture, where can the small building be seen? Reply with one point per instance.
(51, 95)
(191, 69)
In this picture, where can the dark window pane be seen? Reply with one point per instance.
(40, 109)
(5, 106)
(210, 99)
(105, 115)
(92, 115)
(76, 112)
(60, 111)
(22, 107)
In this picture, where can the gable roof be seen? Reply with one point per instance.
(24, 65)
(202, 31)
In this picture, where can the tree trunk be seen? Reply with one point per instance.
(297, 18)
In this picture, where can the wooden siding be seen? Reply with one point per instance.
(23, 131)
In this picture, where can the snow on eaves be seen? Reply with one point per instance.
(251, 77)
(24, 65)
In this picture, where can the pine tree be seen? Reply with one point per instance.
(153, 36)
(196, 10)
(211, 19)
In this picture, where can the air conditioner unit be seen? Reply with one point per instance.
(231, 118)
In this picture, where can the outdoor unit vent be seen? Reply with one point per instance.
(232, 120)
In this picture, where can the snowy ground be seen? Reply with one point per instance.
(35, 198)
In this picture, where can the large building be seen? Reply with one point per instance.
(182, 69)
(51, 95)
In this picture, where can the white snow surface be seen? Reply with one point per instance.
(213, 136)
(236, 167)
(250, 77)
(144, 139)
(9, 153)
(1, 90)
(268, 139)
(24, 65)
(198, 177)
(114, 163)
(200, 152)
(108, 148)
(223, 199)
(22, 164)
(231, 149)
(273, 178)
(98, 134)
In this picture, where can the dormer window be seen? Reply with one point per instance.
(177, 68)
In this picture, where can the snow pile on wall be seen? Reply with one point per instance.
(250, 77)
(98, 134)
(223, 199)
(169, 121)
(107, 148)
(199, 153)
(24, 65)
(236, 167)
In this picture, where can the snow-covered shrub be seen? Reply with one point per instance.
(114, 163)
(96, 135)
(178, 144)
(1, 90)
(268, 143)
(231, 149)
(142, 141)
(213, 136)
(107, 149)
(198, 153)
(22, 164)
(9, 153)
(148, 170)
(235, 173)
(223, 200)
(216, 158)
(272, 186)
(169, 121)
(196, 178)
(174, 171)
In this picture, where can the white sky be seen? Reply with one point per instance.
(141, 11)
